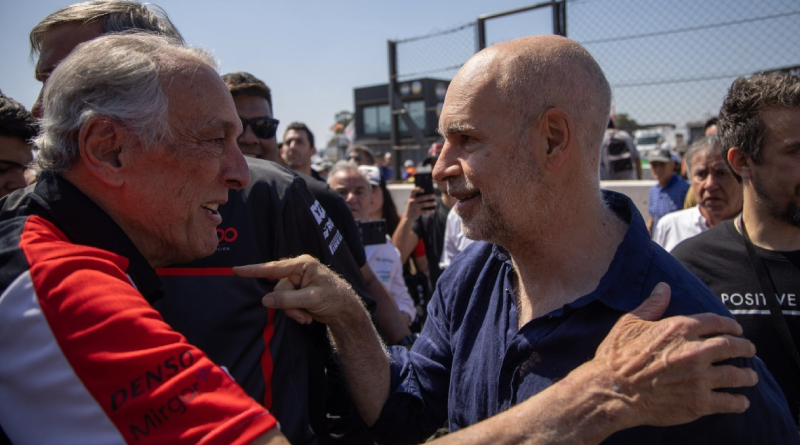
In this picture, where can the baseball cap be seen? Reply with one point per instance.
(661, 155)
(372, 173)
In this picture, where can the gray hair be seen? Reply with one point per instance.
(703, 145)
(114, 16)
(347, 166)
(117, 76)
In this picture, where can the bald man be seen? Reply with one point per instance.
(516, 317)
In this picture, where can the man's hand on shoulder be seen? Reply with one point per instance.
(663, 372)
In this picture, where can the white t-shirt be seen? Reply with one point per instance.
(454, 239)
(677, 226)
(384, 260)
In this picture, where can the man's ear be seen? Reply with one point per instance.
(556, 126)
(740, 163)
(100, 144)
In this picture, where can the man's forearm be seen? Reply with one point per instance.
(404, 238)
(364, 361)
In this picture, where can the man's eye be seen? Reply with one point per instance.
(464, 139)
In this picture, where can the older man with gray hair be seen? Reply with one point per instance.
(138, 148)
(717, 193)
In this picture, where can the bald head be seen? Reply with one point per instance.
(532, 74)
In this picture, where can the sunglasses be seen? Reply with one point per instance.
(356, 158)
(263, 127)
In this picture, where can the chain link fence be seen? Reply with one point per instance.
(672, 62)
(437, 55)
(667, 61)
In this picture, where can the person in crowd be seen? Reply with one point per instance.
(710, 128)
(752, 263)
(356, 187)
(17, 128)
(563, 261)
(85, 356)
(386, 168)
(418, 224)
(361, 155)
(619, 158)
(668, 195)
(717, 192)
(381, 201)
(298, 148)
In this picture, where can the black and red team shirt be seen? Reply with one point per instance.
(277, 361)
(84, 358)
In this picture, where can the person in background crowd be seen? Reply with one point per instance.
(79, 278)
(709, 129)
(668, 195)
(759, 128)
(428, 226)
(298, 148)
(619, 158)
(361, 155)
(386, 168)
(356, 187)
(717, 192)
(17, 128)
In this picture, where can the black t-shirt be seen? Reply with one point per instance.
(430, 229)
(720, 259)
(341, 216)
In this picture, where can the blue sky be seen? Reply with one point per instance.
(311, 53)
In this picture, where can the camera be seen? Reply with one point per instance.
(372, 232)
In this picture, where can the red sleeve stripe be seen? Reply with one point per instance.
(194, 271)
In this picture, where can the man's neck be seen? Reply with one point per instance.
(568, 264)
(665, 181)
(766, 232)
(306, 170)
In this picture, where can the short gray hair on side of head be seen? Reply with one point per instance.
(347, 166)
(117, 76)
(114, 16)
(703, 145)
(562, 76)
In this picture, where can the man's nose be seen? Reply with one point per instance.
(235, 173)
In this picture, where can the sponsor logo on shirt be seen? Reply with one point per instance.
(175, 405)
(226, 235)
(756, 303)
(329, 231)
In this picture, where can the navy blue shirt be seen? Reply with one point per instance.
(471, 362)
(667, 199)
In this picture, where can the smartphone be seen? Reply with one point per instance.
(372, 232)
(425, 182)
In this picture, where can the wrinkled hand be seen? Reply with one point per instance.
(306, 290)
(663, 370)
(416, 202)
